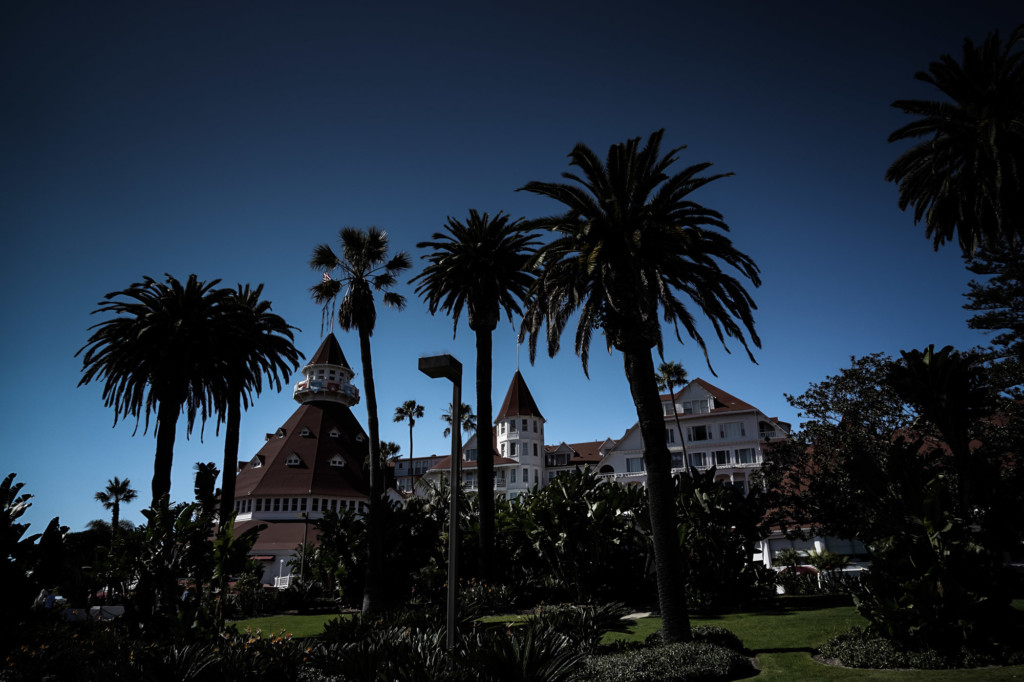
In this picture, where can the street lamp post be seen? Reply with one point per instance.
(447, 367)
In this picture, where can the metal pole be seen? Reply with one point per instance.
(447, 367)
(453, 512)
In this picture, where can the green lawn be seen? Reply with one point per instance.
(296, 626)
(782, 641)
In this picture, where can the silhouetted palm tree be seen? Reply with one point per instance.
(259, 344)
(111, 497)
(409, 411)
(480, 265)
(670, 375)
(362, 269)
(965, 178)
(159, 353)
(466, 418)
(631, 241)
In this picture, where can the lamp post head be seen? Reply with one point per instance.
(441, 367)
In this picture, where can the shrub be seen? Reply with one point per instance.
(860, 649)
(667, 663)
(708, 634)
(583, 624)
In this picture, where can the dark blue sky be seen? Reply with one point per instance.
(227, 139)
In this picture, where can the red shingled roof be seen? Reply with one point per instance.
(315, 475)
(518, 401)
(329, 353)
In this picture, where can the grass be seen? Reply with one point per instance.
(296, 626)
(781, 639)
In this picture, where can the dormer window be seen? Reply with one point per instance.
(360, 438)
(256, 462)
(281, 432)
(306, 433)
(293, 460)
(337, 461)
(335, 433)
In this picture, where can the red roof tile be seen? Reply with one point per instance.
(518, 401)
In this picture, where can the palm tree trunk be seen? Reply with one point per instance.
(679, 428)
(374, 540)
(115, 520)
(485, 452)
(412, 481)
(166, 426)
(668, 559)
(230, 469)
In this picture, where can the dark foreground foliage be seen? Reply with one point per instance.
(668, 663)
(858, 648)
(555, 644)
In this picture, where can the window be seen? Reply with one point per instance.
(511, 425)
(702, 406)
(337, 461)
(502, 449)
(512, 476)
(512, 449)
(731, 430)
(535, 426)
(670, 435)
(471, 455)
(698, 459)
(277, 504)
(316, 504)
(697, 433)
(256, 462)
(635, 464)
(525, 428)
(745, 456)
(677, 460)
(306, 433)
(526, 476)
(259, 504)
(335, 433)
(293, 460)
(534, 449)
(323, 504)
(334, 505)
(536, 476)
(721, 457)
(503, 427)
(295, 504)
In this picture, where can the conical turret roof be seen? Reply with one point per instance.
(329, 353)
(518, 401)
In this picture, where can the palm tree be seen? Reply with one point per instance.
(965, 178)
(670, 375)
(631, 241)
(409, 411)
(480, 265)
(362, 269)
(466, 418)
(111, 497)
(260, 344)
(159, 354)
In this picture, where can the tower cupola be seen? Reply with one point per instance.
(327, 377)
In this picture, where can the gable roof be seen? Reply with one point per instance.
(723, 400)
(518, 401)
